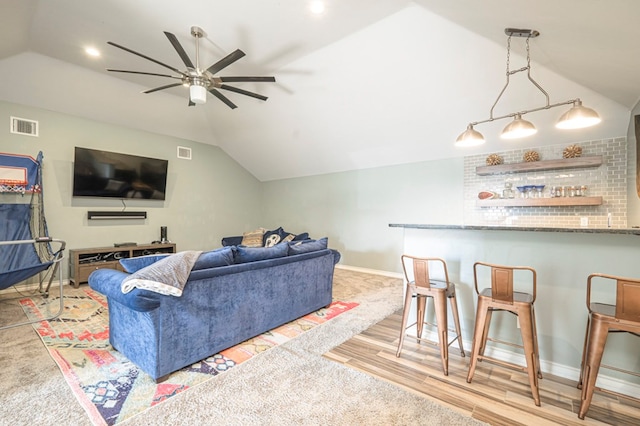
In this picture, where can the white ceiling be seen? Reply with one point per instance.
(365, 84)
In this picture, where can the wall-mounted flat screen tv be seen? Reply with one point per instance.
(110, 174)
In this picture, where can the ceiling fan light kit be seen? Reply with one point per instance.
(577, 117)
(198, 80)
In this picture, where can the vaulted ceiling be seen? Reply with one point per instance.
(362, 84)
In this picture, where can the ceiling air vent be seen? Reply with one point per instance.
(22, 126)
(184, 153)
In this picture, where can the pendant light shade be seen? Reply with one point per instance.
(198, 94)
(578, 117)
(470, 137)
(518, 128)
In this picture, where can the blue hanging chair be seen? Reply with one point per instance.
(25, 247)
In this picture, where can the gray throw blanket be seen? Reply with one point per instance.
(166, 276)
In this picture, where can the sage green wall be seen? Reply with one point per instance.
(208, 197)
(354, 209)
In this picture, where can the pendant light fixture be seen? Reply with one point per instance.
(577, 117)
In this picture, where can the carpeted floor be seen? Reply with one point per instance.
(289, 384)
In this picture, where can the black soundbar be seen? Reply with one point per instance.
(116, 215)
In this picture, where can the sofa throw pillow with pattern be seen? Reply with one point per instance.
(253, 238)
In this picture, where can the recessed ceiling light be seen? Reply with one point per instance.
(92, 51)
(317, 7)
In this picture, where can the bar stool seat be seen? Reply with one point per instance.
(500, 296)
(603, 319)
(417, 272)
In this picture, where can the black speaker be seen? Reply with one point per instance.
(163, 234)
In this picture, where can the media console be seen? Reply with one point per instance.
(82, 262)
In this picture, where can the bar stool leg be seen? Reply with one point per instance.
(440, 303)
(536, 349)
(478, 336)
(421, 303)
(595, 348)
(584, 352)
(487, 324)
(528, 334)
(405, 318)
(456, 321)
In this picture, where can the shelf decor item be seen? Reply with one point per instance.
(494, 160)
(572, 151)
(531, 156)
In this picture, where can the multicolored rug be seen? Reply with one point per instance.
(110, 387)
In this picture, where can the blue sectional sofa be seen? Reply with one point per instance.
(232, 294)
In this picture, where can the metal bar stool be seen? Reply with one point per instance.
(502, 297)
(422, 286)
(603, 319)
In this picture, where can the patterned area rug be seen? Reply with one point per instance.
(110, 387)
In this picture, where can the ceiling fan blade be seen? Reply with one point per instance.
(145, 73)
(176, 45)
(226, 61)
(238, 79)
(223, 98)
(243, 92)
(126, 49)
(168, 86)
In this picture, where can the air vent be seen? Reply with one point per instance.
(22, 126)
(184, 153)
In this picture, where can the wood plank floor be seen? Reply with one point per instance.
(497, 395)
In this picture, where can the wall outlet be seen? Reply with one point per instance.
(584, 221)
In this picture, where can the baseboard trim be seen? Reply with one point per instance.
(565, 371)
(370, 271)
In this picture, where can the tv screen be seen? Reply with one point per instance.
(110, 174)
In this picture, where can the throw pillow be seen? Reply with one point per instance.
(214, 258)
(271, 238)
(308, 246)
(134, 264)
(232, 241)
(252, 254)
(300, 237)
(253, 238)
(167, 276)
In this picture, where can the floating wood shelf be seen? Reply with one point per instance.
(541, 202)
(535, 166)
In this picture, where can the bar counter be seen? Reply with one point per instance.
(585, 230)
(563, 259)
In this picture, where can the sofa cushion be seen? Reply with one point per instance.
(252, 254)
(253, 238)
(308, 246)
(167, 276)
(214, 258)
(134, 264)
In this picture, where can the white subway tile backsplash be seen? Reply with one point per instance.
(608, 180)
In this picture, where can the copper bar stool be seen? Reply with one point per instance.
(603, 319)
(422, 286)
(501, 297)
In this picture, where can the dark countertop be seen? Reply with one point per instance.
(619, 231)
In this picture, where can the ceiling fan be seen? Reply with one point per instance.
(200, 81)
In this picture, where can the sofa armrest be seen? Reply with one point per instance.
(108, 282)
(336, 256)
